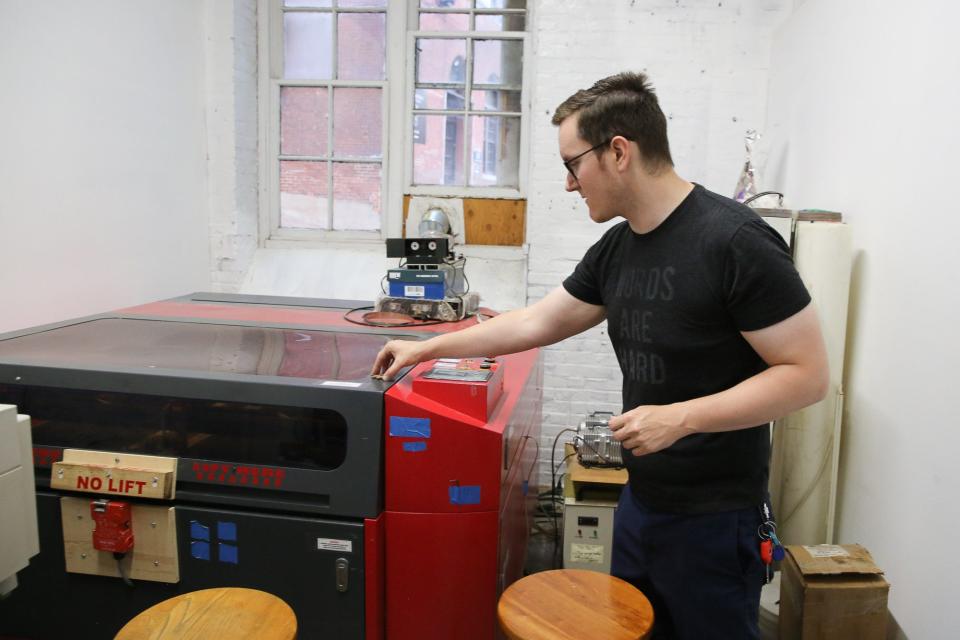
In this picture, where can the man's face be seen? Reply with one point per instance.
(586, 173)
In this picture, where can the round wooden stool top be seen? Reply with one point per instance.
(571, 604)
(226, 612)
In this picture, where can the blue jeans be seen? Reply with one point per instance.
(702, 573)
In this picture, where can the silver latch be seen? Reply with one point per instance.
(343, 573)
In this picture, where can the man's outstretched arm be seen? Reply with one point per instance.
(557, 316)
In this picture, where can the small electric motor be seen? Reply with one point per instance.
(595, 444)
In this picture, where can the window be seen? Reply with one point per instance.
(343, 135)
(467, 96)
(327, 125)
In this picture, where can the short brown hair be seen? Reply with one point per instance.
(621, 105)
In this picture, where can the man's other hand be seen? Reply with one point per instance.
(649, 428)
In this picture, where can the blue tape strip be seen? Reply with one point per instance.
(200, 550)
(227, 531)
(198, 531)
(409, 427)
(468, 494)
(229, 553)
(415, 445)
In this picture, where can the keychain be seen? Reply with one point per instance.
(770, 547)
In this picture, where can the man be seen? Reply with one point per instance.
(715, 336)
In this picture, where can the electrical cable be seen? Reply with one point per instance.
(123, 572)
(764, 193)
(388, 325)
(554, 467)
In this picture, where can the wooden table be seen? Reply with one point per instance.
(226, 612)
(570, 604)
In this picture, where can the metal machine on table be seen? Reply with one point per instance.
(211, 441)
(594, 481)
(430, 283)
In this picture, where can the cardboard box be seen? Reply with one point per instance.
(832, 591)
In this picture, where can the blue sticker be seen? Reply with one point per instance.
(409, 427)
(200, 550)
(198, 531)
(415, 445)
(227, 531)
(526, 487)
(469, 494)
(229, 553)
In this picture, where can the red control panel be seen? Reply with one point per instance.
(472, 385)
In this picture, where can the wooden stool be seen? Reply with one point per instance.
(226, 612)
(572, 604)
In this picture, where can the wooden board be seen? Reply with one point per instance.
(154, 555)
(498, 222)
(118, 474)
(579, 473)
(489, 221)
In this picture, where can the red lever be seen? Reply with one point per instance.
(112, 530)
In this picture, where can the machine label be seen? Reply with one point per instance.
(331, 544)
(412, 291)
(119, 474)
(590, 553)
(826, 551)
(112, 485)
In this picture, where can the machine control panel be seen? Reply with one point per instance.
(474, 385)
(462, 370)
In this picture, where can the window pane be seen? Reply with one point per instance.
(440, 60)
(363, 3)
(445, 4)
(361, 41)
(430, 99)
(303, 194)
(439, 160)
(357, 123)
(306, 46)
(501, 4)
(444, 21)
(303, 121)
(494, 151)
(500, 22)
(498, 62)
(495, 100)
(307, 3)
(356, 196)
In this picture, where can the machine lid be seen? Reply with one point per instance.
(203, 347)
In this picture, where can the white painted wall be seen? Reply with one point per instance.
(102, 156)
(862, 119)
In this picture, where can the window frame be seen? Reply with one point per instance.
(465, 190)
(270, 81)
(397, 112)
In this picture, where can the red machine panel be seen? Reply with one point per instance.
(457, 493)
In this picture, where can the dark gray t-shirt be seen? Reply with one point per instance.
(676, 300)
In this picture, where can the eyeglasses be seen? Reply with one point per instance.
(570, 164)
